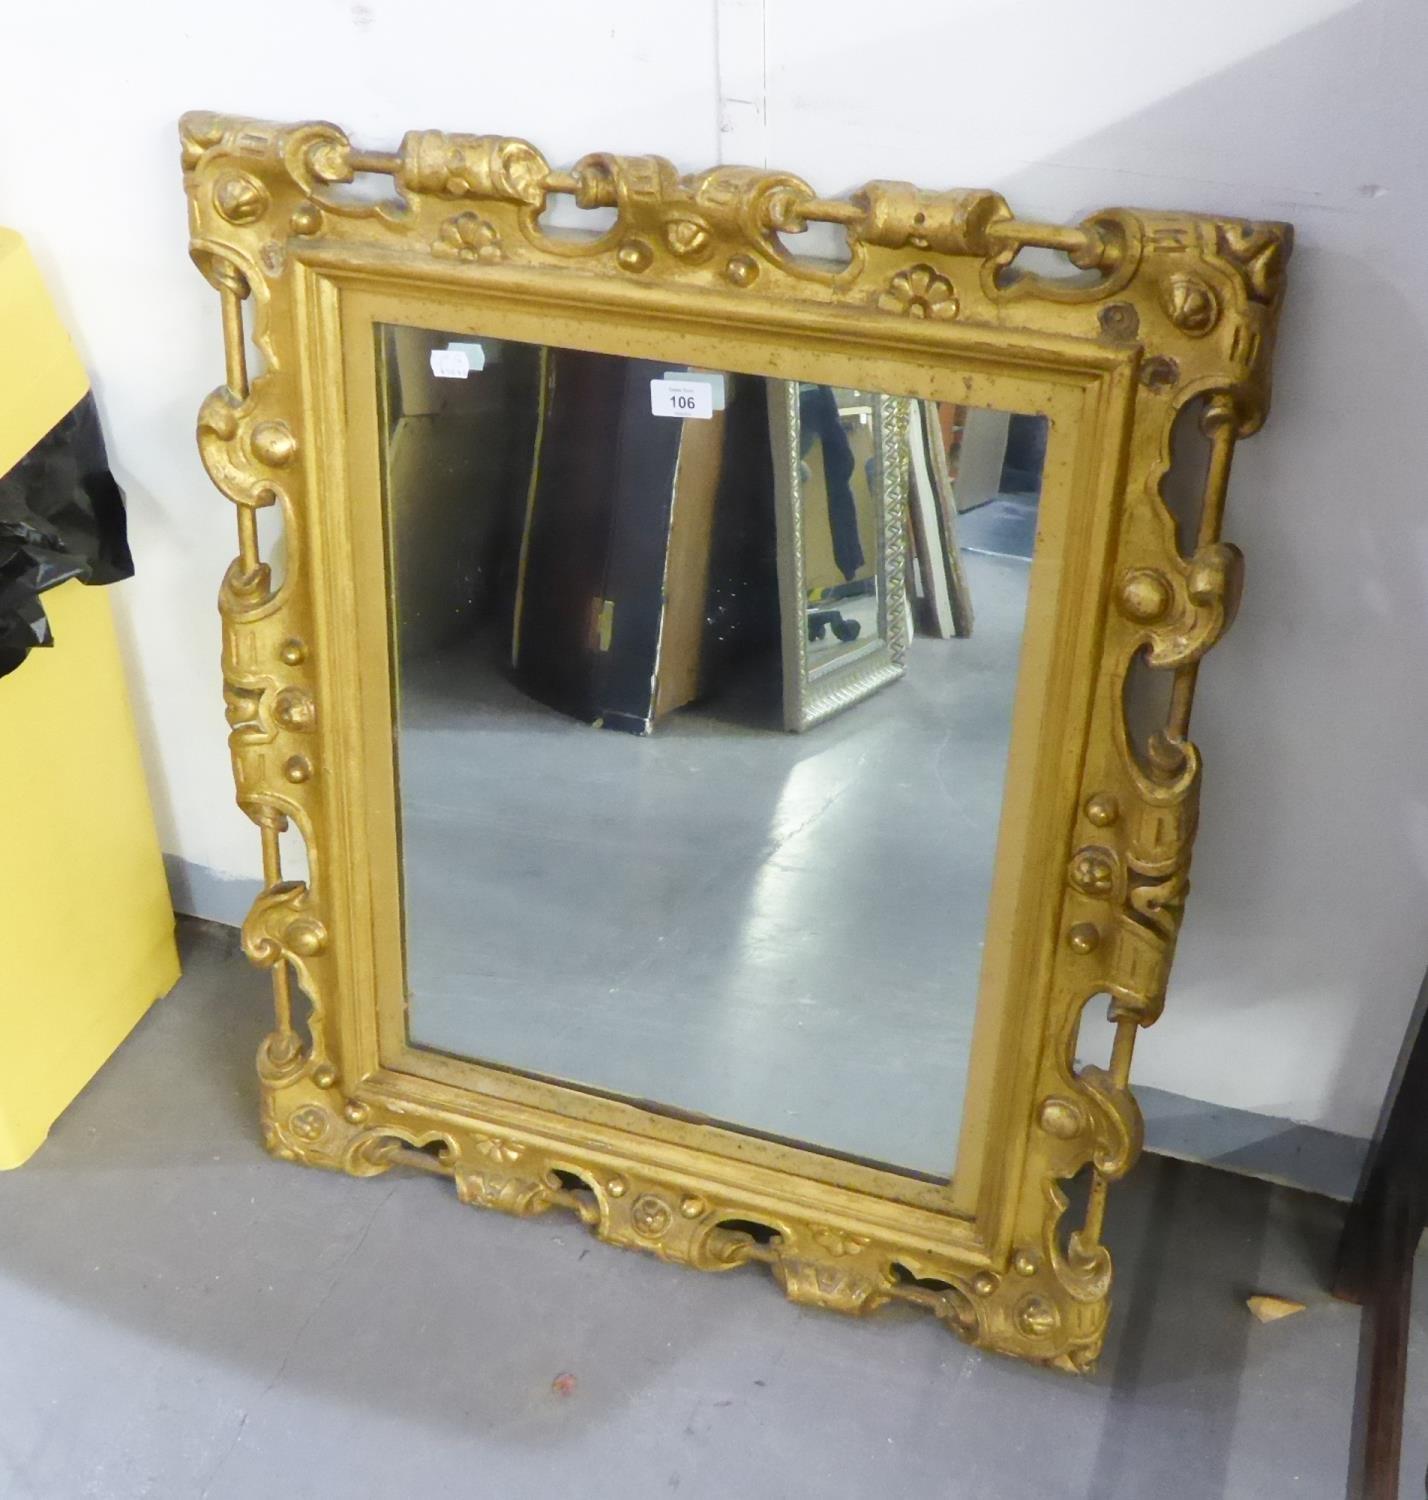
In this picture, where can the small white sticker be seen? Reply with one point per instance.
(681, 398)
(714, 379)
(450, 364)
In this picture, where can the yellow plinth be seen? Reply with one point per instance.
(86, 929)
(85, 922)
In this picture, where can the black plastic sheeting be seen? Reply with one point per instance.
(61, 517)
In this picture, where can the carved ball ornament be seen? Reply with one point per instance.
(634, 256)
(1102, 809)
(1093, 871)
(239, 198)
(687, 237)
(1191, 304)
(1145, 595)
(309, 1123)
(650, 1216)
(274, 444)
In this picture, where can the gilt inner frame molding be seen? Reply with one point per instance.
(1096, 834)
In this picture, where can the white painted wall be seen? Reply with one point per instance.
(1306, 936)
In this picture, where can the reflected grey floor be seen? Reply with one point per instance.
(185, 1319)
(1004, 525)
(782, 931)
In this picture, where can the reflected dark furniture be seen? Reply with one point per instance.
(647, 561)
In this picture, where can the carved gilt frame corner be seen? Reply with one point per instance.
(1172, 308)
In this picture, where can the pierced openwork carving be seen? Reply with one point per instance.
(1167, 308)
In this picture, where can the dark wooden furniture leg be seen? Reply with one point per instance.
(1375, 1268)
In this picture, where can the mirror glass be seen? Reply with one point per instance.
(620, 870)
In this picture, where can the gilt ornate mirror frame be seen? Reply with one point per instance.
(1096, 829)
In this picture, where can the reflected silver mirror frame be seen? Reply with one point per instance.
(924, 430)
(810, 696)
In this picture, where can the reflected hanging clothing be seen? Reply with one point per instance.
(818, 417)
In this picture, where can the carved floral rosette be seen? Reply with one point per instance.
(1190, 301)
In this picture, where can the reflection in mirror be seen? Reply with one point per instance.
(838, 465)
(779, 932)
(840, 489)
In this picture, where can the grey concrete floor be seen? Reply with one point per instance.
(724, 913)
(181, 1316)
